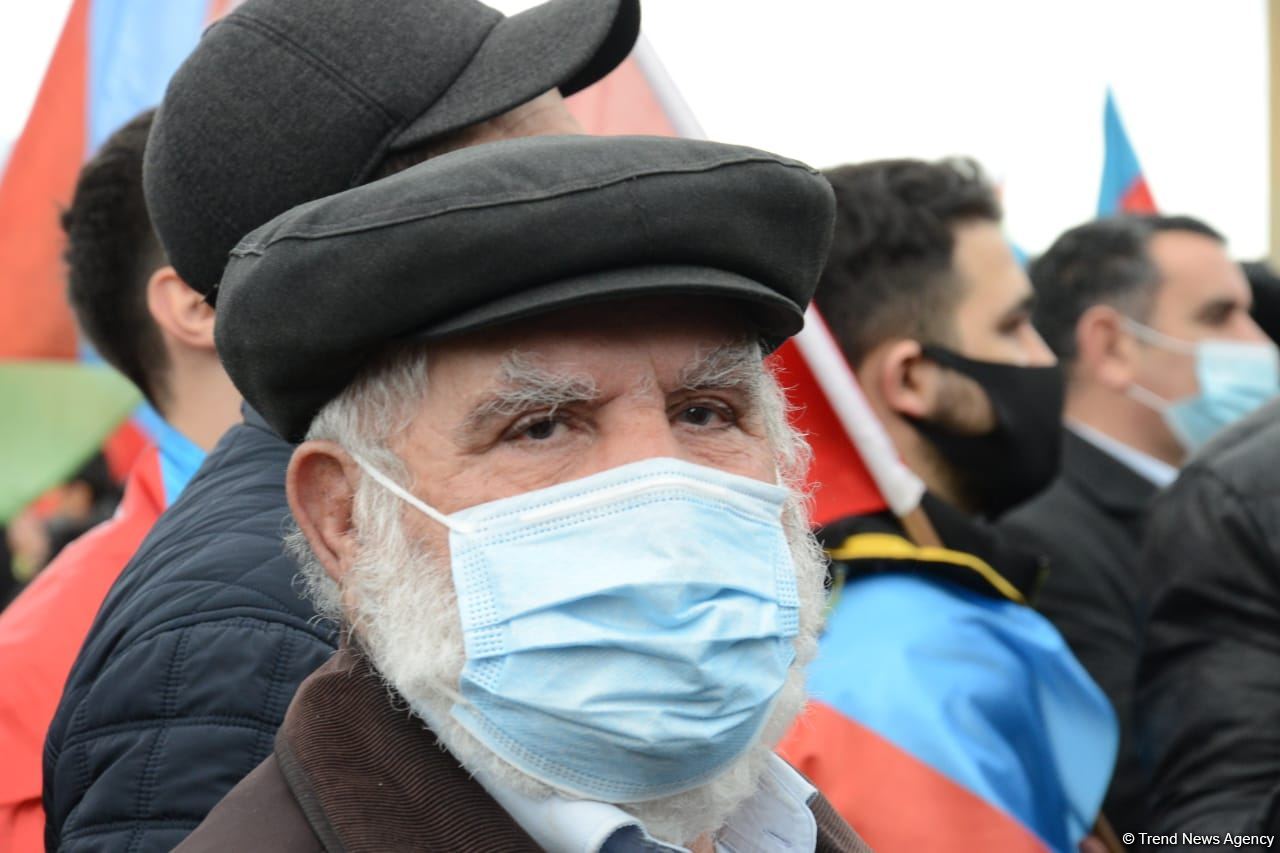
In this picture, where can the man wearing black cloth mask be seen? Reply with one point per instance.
(936, 644)
(185, 677)
(930, 306)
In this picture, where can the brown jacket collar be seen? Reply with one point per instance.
(368, 776)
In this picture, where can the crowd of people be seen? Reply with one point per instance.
(479, 522)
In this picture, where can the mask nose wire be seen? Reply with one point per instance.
(406, 496)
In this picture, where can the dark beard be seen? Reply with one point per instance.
(963, 408)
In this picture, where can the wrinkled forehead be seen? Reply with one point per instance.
(664, 338)
(726, 364)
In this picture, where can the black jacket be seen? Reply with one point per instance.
(1208, 711)
(1089, 524)
(190, 664)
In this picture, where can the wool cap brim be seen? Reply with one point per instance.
(497, 233)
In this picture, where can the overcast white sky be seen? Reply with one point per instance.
(28, 32)
(1017, 83)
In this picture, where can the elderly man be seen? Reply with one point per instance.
(188, 669)
(544, 488)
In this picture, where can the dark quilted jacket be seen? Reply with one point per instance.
(1209, 682)
(190, 665)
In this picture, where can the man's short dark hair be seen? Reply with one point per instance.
(1265, 285)
(111, 253)
(1160, 223)
(1103, 262)
(890, 271)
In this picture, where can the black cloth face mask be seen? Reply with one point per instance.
(1019, 457)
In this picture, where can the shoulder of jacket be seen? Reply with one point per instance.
(244, 576)
(874, 553)
(1241, 461)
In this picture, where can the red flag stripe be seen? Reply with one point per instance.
(35, 320)
(894, 800)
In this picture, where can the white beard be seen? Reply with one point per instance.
(401, 603)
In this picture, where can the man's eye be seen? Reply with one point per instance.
(538, 430)
(703, 416)
(1221, 317)
(1014, 325)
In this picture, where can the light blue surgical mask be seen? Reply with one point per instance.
(626, 633)
(1236, 378)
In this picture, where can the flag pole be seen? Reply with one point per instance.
(673, 104)
(901, 488)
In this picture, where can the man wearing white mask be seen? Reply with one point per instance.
(545, 488)
(1150, 317)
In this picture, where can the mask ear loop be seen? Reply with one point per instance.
(1156, 338)
(1148, 398)
(406, 496)
(434, 514)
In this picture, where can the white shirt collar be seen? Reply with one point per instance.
(776, 817)
(1157, 472)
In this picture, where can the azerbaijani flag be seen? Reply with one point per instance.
(1124, 187)
(112, 60)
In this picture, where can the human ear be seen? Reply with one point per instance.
(180, 310)
(321, 486)
(907, 381)
(1104, 351)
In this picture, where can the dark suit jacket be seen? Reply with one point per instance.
(1090, 523)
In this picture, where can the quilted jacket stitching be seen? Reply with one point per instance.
(169, 709)
(272, 700)
(85, 733)
(116, 826)
(206, 619)
(85, 739)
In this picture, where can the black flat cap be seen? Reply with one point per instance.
(498, 232)
(284, 101)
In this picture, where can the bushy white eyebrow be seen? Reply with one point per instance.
(523, 385)
(733, 365)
